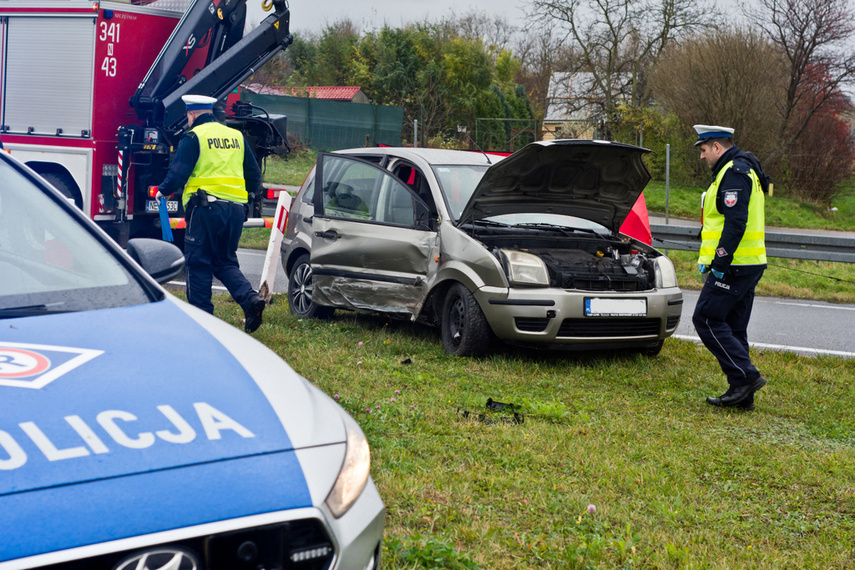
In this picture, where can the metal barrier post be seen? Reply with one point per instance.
(667, 180)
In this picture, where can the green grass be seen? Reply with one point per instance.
(291, 169)
(675, 482)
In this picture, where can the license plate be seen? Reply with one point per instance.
(597, 307)
(171, 206)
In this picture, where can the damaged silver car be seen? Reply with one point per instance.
(525, 249)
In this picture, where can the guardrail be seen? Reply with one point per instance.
(778, 244)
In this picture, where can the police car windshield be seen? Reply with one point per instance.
(48, 259)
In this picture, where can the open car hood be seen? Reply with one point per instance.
(595, 180)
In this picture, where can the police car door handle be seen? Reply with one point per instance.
(332, 234)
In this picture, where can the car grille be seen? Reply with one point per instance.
(298, 545)
(672, 322)
(526, 324)
(597, 327)
(596, 282)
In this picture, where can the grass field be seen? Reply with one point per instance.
(618, 463)
(674, 483)
(291, 170)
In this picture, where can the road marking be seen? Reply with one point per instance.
(812, 305)
(781, 347)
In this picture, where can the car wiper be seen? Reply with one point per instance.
(28, 311)
(563, 229)
(490, 223)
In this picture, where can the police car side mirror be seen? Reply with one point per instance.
(160, 259)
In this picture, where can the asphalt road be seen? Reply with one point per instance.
(804, 327)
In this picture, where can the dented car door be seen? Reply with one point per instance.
(371, 240)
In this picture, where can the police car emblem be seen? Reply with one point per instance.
(35, 365)
(730, 198)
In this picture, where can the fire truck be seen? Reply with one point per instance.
(90, 93)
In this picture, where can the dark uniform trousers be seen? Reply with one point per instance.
(721, 320)
(210, 250)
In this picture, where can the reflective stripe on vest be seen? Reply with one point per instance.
(752, 247)
(219, 170)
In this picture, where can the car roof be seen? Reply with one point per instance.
(430, 155)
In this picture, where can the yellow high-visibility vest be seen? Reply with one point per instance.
(219, 170)
(752, 247)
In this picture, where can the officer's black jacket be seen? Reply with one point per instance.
(736, 179)
(187, 154)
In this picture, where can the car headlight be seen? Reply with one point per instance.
(353, 476)
(665, 274)
(524, 268)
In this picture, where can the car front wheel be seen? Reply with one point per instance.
(300, 292)
(465, 331)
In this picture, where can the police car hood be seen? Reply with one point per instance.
(138, 419)
(595, 180)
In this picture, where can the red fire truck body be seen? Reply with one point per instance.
(68, 70)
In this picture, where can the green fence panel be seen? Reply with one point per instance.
(333, 125)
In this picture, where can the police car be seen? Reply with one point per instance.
(137, 432)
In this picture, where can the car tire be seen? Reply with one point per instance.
(300, 292)
(465, 331)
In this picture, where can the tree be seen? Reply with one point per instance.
(731, 77)
(440, 77)
(615, 40)
(824, 153)
(495, 31)
(813, 35)
(541, 55)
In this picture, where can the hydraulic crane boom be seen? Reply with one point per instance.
(232, 67)
(231, 58)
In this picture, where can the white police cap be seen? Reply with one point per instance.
(196, 102)
(712, 132)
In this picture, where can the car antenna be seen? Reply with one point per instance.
(462, 129)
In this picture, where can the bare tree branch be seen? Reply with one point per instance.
(616, 40)
(813, 35)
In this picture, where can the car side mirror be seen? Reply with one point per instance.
(160, 259)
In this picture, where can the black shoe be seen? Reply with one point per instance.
(737, 395)
(252, 315)
(718, 401)
(747, 405)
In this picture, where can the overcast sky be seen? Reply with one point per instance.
(313, 15)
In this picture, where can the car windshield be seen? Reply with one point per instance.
(550, 220)
(458, 182)
(48, 261)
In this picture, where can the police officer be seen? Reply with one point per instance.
(733, 252)
(215, 170)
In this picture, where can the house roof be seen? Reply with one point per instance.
(316, 92)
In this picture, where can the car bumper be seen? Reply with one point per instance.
(313, 537)
(550, 316)
(359, 533)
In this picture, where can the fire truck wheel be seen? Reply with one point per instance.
(66, 187)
